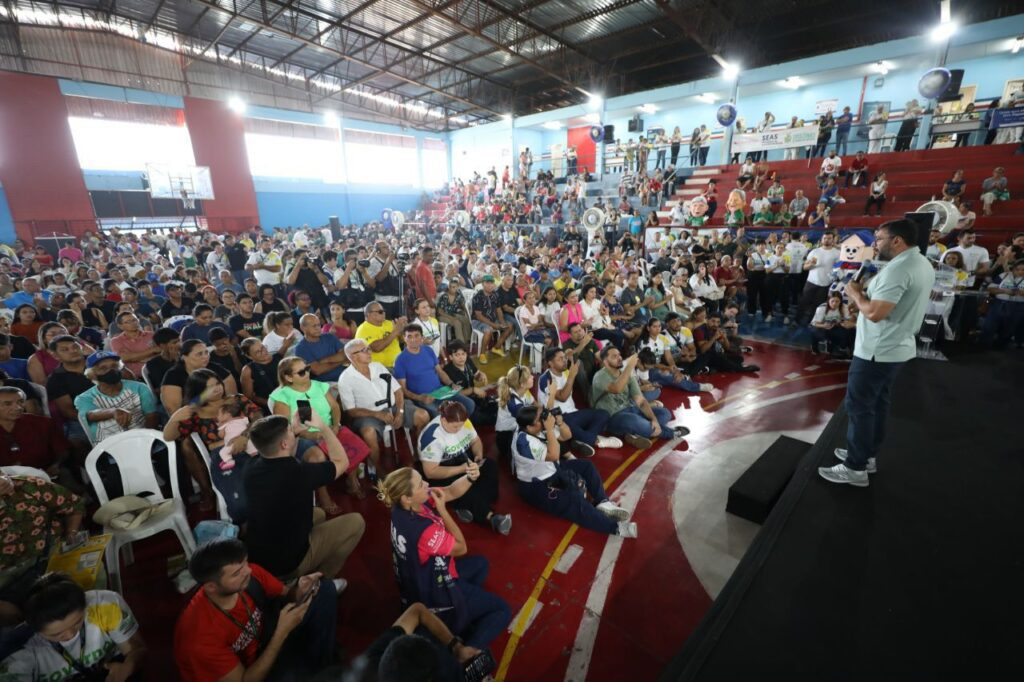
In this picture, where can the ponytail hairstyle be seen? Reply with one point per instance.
(394, 486)
(513, 381)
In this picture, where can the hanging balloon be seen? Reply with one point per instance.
(596, 133)
(934, 82)
(385, 217)
(726, 115)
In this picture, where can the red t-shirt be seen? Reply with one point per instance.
(425, 285)
(721, 273)
(208, 645)
(36, 441)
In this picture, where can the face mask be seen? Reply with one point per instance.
(111, 378)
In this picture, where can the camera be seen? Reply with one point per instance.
(364, 263)
(553, 412)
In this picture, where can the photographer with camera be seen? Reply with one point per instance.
(307, 275)
(354, 285)
(387, 276)
(561, 486)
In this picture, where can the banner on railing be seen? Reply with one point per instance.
(1007, 118)
(806, 136)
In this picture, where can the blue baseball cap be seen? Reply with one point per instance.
(99, 356)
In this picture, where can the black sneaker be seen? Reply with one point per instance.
(464, 515)
(582, 449)
(681, 432)
(750, 368)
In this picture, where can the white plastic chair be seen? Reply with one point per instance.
(145, 377)
(536, 349)
(131, 451)
(204, 455)
(478, 336)
(84, 421)
(43, 398)
(390, 442)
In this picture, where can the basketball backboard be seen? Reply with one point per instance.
(168, 181)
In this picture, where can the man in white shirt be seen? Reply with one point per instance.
(763, 125)
(797, 250)
(373, 399)
(976, 258)
(586, 425)
(818, 265)
(265, 264)
(678, 214)
(830, 167)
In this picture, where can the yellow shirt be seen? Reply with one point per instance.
(371, 333)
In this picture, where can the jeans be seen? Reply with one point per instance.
(631, 421)
(615, 336)
(431, 408)
(310, 647)
(841, 137)
(1004, 319)
(665, 379)
(586, 425)
(868, 389)
(488, 614)
(572, 504)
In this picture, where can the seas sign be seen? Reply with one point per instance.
(779, 138)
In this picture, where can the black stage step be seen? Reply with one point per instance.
(754, 493)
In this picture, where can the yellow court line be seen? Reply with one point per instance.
(524, 615)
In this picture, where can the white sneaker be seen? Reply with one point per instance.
(609, 442)
(841, 454)
(340, 584)
(612, 510)
(706, 388)
(840, 474)
(786, 320)
(768, 318)
(627, 529)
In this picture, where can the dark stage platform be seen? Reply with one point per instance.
(918, 577)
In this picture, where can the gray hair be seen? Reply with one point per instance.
(366, 308)
(354, 346)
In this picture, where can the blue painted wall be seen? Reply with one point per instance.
(7, 235)
(282, 203)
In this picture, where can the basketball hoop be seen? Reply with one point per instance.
(188, 201)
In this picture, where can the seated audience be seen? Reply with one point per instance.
(281, 332)
(419, 373)
(489, 319)
(381, 334)
(133, 345)
(828, 333)
(243, 623)
(324, 353)
(16, 368)
(554, 390)
(77, 635)
(373, 400)
(114, 404)
(194, 356)
(568, 488)
(168, 342)
(448, 448)
(425, 544)
(258, 377)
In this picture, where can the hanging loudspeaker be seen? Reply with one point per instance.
(934, 82)
(726, 115)
(385, 217)
(945, 215)
(596, 133)
(593, 217)
(397, 219)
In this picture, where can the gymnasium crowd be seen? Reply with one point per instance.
(279, 363)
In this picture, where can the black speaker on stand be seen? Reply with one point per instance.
(335, 227)
(609, 134)
(924, 222)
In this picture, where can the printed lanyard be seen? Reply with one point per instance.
(248, 613)
(77, 663)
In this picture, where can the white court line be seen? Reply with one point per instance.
(626, 496)
(792, 375)
(811, 368)
(630, 490)
(568, 558)
(529, 621)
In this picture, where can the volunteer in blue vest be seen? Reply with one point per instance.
(569, 488)
(425, 543)
(449, 445)
(891, 312)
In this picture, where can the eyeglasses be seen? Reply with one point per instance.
(376, 310)
(363, 350)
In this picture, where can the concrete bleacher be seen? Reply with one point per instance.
(915, 177)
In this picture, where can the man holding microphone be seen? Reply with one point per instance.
(891, 312)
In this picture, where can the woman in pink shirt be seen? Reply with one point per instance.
(572, 312)
(339, 326)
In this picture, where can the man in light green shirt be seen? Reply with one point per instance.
(891, 313)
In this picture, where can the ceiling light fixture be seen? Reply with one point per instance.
(1018, 43)
(553, 125)
(330, 119)
(881, 67)
(237, 105)
(793, 82)
(648, 108)
(707, 98)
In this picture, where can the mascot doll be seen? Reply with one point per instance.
(735, 209)
(698, 211)
(854, 253)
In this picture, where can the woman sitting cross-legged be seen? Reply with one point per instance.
(663, 371)
(205, 394)
(425, 542)
(830, 326)
(448, 446)
(295, 384)
(568, 488)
